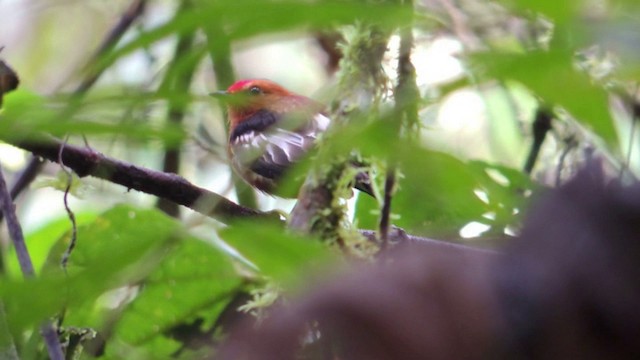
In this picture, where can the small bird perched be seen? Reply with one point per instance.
(270, 128)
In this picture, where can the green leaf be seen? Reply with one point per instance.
(265, 18)
(121, 246)
(278, 254)
(507, 192)
(29, 117)
(552, 76)
(560, 11)
(436, 193)
(41, 241)
(194, 277)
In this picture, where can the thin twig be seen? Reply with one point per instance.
(630, 150)
(406, 96)
(177, 81)
(541, 126)
(460, 26)
(26, 177)
(385, 215)
(67, 208)
(15, 232)
(399, 236)
(635, 117)
(134, 11)
(570, 144)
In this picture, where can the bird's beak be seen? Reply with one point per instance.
(220, 94)
(230, 99)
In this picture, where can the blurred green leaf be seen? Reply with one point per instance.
(553, 77)
(41, 241)
(156, 348)
(282, 256)
(265, 18)
(27, 116)
(559, 11)
(193, 277)
(121, 246)
(506, 190)
(437, 193)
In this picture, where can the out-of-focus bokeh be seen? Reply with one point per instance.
(51, 42)
(511, 98)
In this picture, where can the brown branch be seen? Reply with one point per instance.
(26, 177)
(24, 259)
(86, 162)
(313, 198)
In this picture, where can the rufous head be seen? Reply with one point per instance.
(245, 97)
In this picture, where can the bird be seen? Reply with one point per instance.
(270, 129)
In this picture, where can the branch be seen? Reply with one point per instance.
(312, 200)
(361, 83)
(86, 162)
(397, 236)
(406, 95)
(134, 11)
(175, 188)
(15, 233)
(26, 177)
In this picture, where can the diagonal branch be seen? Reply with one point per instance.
(135, 10)
(87, 162)
(24, 259)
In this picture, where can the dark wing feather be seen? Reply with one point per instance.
(260, 121)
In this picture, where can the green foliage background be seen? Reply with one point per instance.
(136, 273)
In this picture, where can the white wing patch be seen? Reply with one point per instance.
(277, 147)
(321, 122)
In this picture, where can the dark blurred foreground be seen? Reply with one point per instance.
(569, 288)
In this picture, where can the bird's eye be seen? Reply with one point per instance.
(254, 90)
